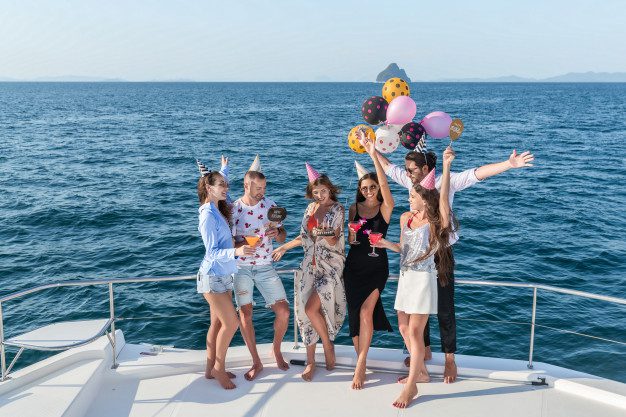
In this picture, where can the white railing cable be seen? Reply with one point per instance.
(120, 281)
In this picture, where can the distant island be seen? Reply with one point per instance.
(392, 71)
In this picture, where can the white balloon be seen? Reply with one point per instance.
(388, 138)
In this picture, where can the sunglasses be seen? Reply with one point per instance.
(370, 188)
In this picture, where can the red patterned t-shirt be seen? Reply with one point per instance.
(252, 221)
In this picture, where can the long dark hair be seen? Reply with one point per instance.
(211, 179)
(439, 236)
(369, 176)
(322, 180)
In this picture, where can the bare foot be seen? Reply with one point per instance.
(359, 377)
(428, 354)
(308, 372)
(280, 361)
(254, 371)
(406, 396)
(449, 371)
(329, 355)
(423, 377)
(223, 378)
(209, 368)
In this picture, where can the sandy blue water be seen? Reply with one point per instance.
(97, 180)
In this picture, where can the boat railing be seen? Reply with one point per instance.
(120, 281)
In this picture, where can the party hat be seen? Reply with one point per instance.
(360, 170)
(202, 168)
(429, 180)
(256, 164)
(311, 172)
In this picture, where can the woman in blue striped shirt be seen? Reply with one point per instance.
(215, 277)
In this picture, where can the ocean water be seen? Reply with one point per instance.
(98, 180)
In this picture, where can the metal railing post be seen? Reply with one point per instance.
(3, 358)
(295, 322)
(112, 315)
(532, 330)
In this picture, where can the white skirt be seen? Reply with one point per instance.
(417, 292)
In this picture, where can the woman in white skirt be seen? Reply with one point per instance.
(425, 233)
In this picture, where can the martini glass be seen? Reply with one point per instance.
(374, 239)
(354, 227)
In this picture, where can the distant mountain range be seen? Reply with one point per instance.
(572, 77)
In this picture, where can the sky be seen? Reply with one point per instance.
(295, 40)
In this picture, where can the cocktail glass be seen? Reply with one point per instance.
(354, 227)
(374, 238)
(252, 240)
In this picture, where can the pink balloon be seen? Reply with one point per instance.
(401, 110)
(437, 124)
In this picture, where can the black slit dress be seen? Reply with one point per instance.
(362, 274)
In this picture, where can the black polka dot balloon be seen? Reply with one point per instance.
(374, 110)
(410, 135)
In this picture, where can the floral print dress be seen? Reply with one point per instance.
(321, 270)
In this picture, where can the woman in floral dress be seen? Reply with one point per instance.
(320, 300)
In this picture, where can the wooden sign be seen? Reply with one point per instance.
(456, 128)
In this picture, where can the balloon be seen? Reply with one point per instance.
(402, 110)
(411, 134)
(395, 87)
(374, 110)
(353, 139)
(437, 124)
(388, 138)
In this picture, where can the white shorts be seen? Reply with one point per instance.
(417, 292)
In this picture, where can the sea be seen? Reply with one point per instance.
(98, 181)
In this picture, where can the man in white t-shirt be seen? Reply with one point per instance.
(249, 221)
(416, 166)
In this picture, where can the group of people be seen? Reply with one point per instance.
(238, 238)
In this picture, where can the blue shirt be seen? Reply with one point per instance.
(219, 256)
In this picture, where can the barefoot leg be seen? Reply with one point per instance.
(247, 331)
(309, 369)
(281, 323)
(416, 336)
(366, 330)
(450, 372)
(313, 311)
(223, 308)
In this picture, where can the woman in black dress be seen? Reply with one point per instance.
(365, 276)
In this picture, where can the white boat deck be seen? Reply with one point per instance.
(79, 382)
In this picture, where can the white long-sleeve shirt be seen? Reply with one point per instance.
(458, 182)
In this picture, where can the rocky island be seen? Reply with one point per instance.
(392, 71)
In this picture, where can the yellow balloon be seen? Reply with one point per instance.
(395, 87)
(353, 139)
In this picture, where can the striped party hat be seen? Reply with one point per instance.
(311, 172)
(202, 168)
(429, 180)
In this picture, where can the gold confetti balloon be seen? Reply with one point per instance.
(395, 87)
(353, 139)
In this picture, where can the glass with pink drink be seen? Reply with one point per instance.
(374, 239)
(354, 227)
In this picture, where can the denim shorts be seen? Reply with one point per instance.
(214, 284)
(266, 280)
